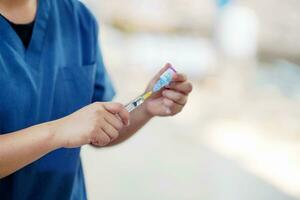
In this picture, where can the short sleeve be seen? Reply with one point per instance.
(104, 89)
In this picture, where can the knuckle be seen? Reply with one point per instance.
(115, 136)
(168, 103)
(173, 109)
(119, 126)
(119, 106)
(100, 144)
(126, 113)
(176, 110)
(97, 121)
(171, 104)
(104, 141)
(174, 106)
(98, 112)
(178, 96)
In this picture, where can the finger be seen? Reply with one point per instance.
(172, 106)
(157, 76)
(167, 66)
(114, 121)
(177, 108)
(119, 109)
(124, 115)
(178, 77)
(184, 87)
(168, 103)
(101, 139)
(113, 108)
(175, 96)
(110, 131)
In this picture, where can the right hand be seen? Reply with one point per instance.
(97, 124)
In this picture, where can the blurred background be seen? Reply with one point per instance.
(239, 136)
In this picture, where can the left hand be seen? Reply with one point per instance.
(171, 99)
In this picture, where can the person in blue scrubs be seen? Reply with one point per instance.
(55, 96)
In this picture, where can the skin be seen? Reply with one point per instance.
(100, 124)
(19, 11)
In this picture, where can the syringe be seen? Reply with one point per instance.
(137, 101)
(164, 80)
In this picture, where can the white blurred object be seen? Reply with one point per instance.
(237, 31)
(192, 55)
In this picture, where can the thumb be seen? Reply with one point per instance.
(157, 76)
(118, 109)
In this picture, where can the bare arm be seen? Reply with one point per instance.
(89, 125)
(21, 148)
(98, 124)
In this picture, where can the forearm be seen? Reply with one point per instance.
(138, 118)
(21, 148)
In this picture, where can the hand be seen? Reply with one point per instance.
(171, 99)
(97, 124)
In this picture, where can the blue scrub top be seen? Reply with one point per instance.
(60, 72)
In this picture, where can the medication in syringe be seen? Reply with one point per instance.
(164, 80)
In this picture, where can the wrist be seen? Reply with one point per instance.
(147, 112)
(52, 135)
